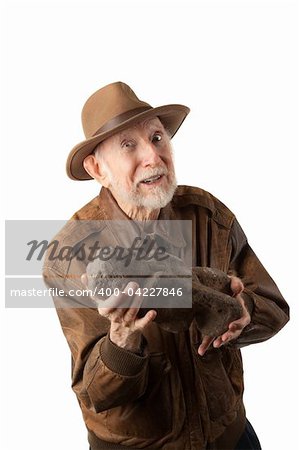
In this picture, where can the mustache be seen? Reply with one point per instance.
(152, 172)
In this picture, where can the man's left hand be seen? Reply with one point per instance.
(235, 328)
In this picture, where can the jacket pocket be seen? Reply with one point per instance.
(150, 416)
(221, 375)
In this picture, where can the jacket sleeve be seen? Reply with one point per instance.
(103, 374)
(269, 311)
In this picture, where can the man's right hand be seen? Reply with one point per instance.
(126, 328)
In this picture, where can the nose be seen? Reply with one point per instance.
(150, 155)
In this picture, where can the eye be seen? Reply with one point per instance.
(157, 137)
(127, 145)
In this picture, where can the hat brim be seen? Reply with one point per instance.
(171, 116)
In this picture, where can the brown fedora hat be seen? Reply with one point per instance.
(110, 110)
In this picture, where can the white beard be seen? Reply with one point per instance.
(157, 198)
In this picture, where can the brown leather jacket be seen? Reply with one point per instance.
(169, 398)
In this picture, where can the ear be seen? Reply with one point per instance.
(94, 169)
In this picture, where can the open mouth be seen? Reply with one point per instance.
(152, 180)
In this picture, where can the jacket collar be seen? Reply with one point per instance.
(169, 232)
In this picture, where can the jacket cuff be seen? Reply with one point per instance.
(120, 360)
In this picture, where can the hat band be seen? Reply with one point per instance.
(117, 120)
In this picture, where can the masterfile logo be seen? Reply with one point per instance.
(157, 255)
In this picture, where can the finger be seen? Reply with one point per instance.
(124, 299)
(135, 303)
(130, 305)
(245, 319)
(206, 342)
(236, 325)
(242, 301)
(130, 315)
(229, 336)
(106, 312)
(84, 279)
(118, 315)
(136, 300)
(141, 323)
(226, 337)
(236, 285)
(218, 342)
(121, 304)
(234, 329)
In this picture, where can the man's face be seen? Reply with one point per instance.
(138, 165)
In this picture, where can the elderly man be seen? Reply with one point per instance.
(139, 385)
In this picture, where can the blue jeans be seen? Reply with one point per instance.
(249, 439)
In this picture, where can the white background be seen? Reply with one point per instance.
(235, 64)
